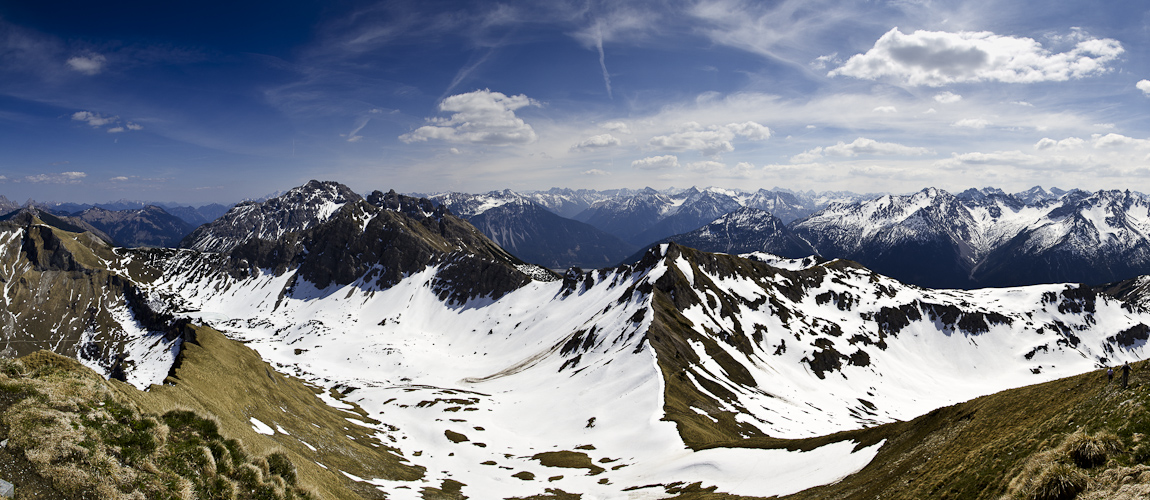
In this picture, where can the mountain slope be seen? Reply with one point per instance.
(989, 238)
(148, 226)
(71, 293)
(999, 446)
(534, 233)
(745, 230)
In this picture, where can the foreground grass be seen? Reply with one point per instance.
(76, 439)
(72, 434)
(1077, 437)
(221, 377)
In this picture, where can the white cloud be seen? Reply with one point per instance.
(706, 166)
(134, 126)
(118, 178)
(947, 97)
(596, 142)
(937, 58)
(94, 119)
(596, 172)
(975, 123)
(60, 178)
(619, 127)
(821, 62)
(712, 140)
(656, 163)
(1144, 86)
(1118, 140)
(480, 117)
(90, 64)
(115, 130)
(866, 146)
(886, 109)
(860, 146)
(1068, 143)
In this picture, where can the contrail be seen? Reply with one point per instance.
(602, 58)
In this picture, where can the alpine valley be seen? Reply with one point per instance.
(390, 348)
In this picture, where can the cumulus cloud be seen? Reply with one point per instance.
(596, 142)
(90, 64)
(706, 166)
(886, 109)
(975, 123)
(947, 97)
(119, 178)
(596, 172)
(57, 178)
(1113, 140)
(1047, 143)
(937, 58)
(712, 140)
(479, 117)
(860, 146)
(134, 126)
(619, 127)
(94, 119)
(115, 130)
(656, 163)
(1144, 86)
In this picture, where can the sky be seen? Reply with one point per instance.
(201, 102)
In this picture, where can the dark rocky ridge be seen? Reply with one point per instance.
(378, 241)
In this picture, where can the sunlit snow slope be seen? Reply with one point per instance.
(636, 366)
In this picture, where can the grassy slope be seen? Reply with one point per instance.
(988, 447)
(225, 379)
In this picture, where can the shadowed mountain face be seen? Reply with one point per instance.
(746, 230)
(150, 226)
(534, 233)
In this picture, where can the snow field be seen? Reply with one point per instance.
(498, 376)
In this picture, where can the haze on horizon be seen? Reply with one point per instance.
(213, 102)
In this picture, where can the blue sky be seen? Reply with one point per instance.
(208, 102)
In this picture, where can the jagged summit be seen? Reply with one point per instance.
(295, 210)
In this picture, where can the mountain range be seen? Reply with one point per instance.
(684, 372)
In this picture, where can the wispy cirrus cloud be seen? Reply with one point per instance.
(57, 178)
(935, 58)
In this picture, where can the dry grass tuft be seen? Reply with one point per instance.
(68, 425)
(1088, 451)
(1058, 481)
